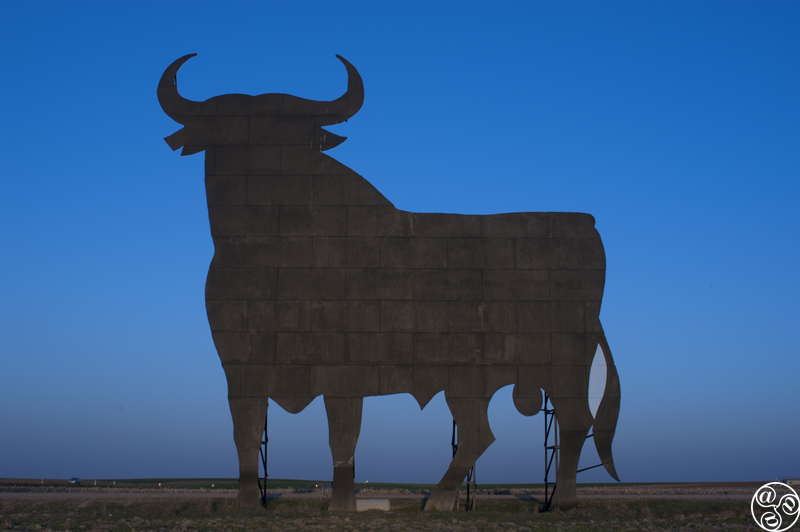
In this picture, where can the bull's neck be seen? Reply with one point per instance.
(246, 186)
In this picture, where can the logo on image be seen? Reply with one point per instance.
(775, 507)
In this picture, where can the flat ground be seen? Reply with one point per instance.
(190, 505)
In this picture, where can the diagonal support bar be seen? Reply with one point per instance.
(262, 451)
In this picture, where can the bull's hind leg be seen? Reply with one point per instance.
(344, 426)
(474, 437)
(571, 403)
(248, 415)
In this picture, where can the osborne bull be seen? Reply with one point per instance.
(320, 286)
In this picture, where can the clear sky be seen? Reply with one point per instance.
(676, 124)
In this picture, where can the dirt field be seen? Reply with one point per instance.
(26, 506)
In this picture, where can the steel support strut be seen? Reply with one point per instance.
(470, 479)
(550, 452)
(262, 451)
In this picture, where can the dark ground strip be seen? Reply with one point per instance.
(212, 514)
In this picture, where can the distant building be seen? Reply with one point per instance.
(793, 481)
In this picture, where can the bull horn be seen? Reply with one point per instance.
(173, 104)
(344, 107)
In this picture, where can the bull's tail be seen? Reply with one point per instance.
(605, 421)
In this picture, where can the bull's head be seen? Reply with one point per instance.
(267, 119)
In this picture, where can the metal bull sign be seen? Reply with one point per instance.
(320, 286)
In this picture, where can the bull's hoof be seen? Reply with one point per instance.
(249, 499)
(342, 504)
(565, 502)
(343, 492)
(249, 496)
(564, 505)
(565, 496)
(442, 501)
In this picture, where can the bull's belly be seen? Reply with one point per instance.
(360, 380)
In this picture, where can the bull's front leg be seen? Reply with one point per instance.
(574, 421)
(474, 437)
(344, 427)
(248, 415)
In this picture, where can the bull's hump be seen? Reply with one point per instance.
(571, 225)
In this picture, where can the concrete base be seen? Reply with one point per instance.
(362, 505)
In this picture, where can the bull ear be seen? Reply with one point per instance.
(175, 140)
(328, 140)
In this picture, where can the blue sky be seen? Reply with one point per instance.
(676, 124)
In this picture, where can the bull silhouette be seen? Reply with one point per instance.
(320, 286)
